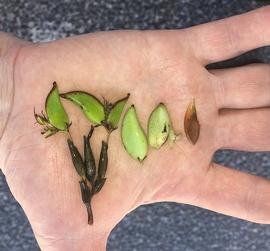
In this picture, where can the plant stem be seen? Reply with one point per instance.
(89, 213)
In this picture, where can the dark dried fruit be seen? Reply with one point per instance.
(76, 158)
(99, 183)
(89, 160)
(103, 160)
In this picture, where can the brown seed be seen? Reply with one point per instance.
(191, 123)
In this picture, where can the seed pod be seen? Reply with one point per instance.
(86, 198)
(116, 111)
(99, 183)
(103, 160)
(55, 111)
(90, 105)
(89, 159)
(76, 159)
(191, 123)
(159, 126)
(133, 136)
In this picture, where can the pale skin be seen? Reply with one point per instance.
(154, 66)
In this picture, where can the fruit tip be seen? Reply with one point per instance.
(54, 84)
(141, 160)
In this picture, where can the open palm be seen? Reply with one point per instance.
(154, 66)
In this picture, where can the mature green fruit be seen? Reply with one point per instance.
(90, 105)
(133, 137)
(55, 111)
(159, 126)
(116, 111)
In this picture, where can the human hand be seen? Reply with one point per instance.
(154, 66)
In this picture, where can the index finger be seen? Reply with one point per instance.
(230, 37)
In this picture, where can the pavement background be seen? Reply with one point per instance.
(163, 226)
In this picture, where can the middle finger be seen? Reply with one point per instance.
(242, 87)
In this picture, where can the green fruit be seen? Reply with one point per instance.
(159, 126)
(133, 136)
(92, 108)
(55, 111)
(116, 111)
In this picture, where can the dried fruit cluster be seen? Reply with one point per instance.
(134, 139)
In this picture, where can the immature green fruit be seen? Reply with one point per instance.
(191, 123)
(55, 111)
(92, 108)
(133, 137)
(116, 111)
(159, 126)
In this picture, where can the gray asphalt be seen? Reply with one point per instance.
(163, 226)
